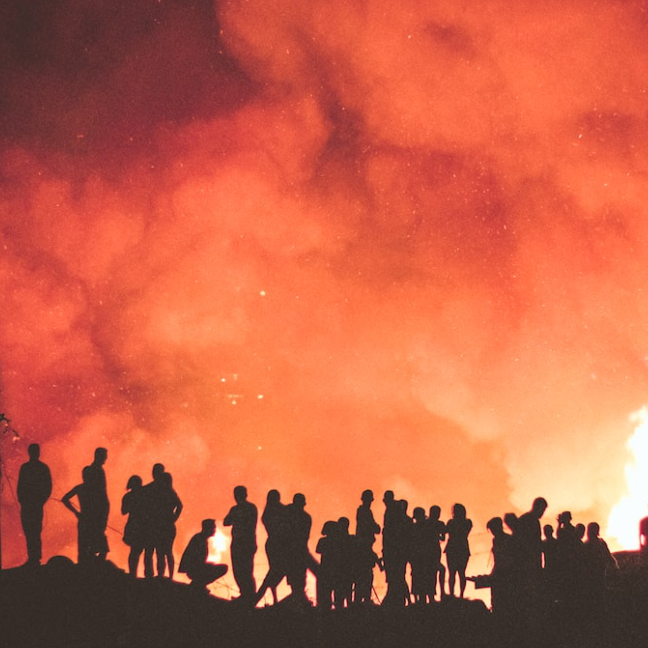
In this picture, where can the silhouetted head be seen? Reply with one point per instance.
(495, 526)
(329, 528)
(435, 512)
(388, 497)
(539, 506)
(135, 481)
(511, 521)
(158, 471)
(419, 514)
(167, 479)
(367, 496)
(564, 517)
(580, 530)
(548, 531)
(273, 496)
(86, 475)
(100, 456)
(343, 525)
(33, 451)
(299, 500)
(402, 506)
(459, 512)
(593, 530)
(240, 494)
(209, 527)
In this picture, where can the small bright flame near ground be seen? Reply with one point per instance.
(623, 523)
(218, 546)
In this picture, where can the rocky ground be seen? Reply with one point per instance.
(61, 605)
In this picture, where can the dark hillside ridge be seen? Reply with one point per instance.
(60, 605)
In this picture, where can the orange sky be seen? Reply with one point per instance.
(323, 247)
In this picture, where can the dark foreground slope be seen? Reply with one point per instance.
(60, 605)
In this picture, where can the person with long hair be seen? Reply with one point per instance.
(458, 549)
(275, 523)
(170, 509)
(134, 532)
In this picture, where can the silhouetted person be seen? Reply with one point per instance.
(345, 549)
(169, 512)
(275, 522)
(390, 544)
(580, 531)
(643, 537)
(598, 560)
(153, 496)
(299, 559)
(528, 544)
(326, 576)
(527, 528)
(98, 492)
(511, 520)
(194, 558)
(503, 575)
(133, 505)
(242, 517)
(551, 563)
(422, 558)
(568, 561)
(458, 549)
(34, 489)
(438, 532)
(91, 528)
(366, 531)
(397, 541)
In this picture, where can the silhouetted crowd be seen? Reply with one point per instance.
(533, 568)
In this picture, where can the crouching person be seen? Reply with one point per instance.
(194, 559)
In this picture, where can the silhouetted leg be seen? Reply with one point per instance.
(32, 524)
(133, 560)
(243, 567)
(148, 561)
(207, 574)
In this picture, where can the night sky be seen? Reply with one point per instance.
(322, 247)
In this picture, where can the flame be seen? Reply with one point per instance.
(218, 546)
(623, 523)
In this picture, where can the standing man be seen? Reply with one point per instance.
(299, 558)
(242, 517)
(97, 493)
(528, 536)
(34, 489)
(366, 531)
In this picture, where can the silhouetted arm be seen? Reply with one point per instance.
(229, 518)
(68, 504)
(177, 509)
(22, 488)
(47, 486)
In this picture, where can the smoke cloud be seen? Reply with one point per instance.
(323, 247)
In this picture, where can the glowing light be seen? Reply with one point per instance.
(218, 546)
(624, 519)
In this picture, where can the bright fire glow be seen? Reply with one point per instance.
(218, 547)
(418, 237)
(624, 519)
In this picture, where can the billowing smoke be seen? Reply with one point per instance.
(324, 246)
